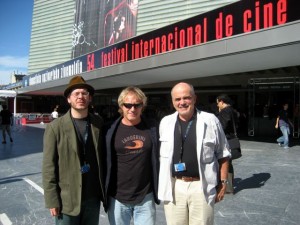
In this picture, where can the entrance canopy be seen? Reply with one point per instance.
(8, 93)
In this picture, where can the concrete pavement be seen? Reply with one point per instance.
(267, 182)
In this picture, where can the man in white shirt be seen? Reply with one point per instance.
(54, 114)
(193, 161)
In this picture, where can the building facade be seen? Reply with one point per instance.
(51, 34)
(247, 49)
(60, 29)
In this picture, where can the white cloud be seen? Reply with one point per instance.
(13, 62)
(5, 76)
(10, 65)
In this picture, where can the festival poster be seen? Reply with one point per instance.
(100, 23)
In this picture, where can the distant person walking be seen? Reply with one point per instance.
(283, 122)
(7, 121)
(54, 114)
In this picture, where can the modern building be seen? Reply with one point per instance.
(51, 34)
(55, 33)
(247, 49)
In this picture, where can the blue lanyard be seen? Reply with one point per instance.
(183, 138)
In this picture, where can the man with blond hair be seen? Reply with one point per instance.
(132, 162)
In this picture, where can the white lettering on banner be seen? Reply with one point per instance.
(37, 79)
(56, 73)
(71, 69)
(50, 75)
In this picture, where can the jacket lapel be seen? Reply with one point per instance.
(170, 135)
(200, 126)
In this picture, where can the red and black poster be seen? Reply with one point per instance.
(100, 23)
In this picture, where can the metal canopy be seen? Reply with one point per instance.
(8, 93)
(260, 50)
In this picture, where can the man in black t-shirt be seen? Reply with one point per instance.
(7, 121)
(132, 163)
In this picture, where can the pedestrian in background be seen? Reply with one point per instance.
(193, 161)
(6, 122)
(228, 119)
(132, 162)
(72, 161)
(54, 114)
(284, 123)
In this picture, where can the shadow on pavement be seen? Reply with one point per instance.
(26, 140)
(256, 181)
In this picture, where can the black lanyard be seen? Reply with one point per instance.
(183, 138)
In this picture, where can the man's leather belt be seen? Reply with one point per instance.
(187, 179)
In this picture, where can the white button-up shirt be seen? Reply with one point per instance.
(211, 146)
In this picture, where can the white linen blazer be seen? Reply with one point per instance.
(211, 146)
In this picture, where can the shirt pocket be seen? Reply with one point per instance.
(208, 150)
(165, 147)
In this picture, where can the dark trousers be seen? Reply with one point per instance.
(230, 169)
(89, 214)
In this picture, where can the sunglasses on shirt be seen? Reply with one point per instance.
(129, 105)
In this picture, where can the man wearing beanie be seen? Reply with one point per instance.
(72, 160)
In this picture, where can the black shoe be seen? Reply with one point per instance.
(3, 142)
(11, 140)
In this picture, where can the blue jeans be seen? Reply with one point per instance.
(285, 136)
(143, 213)
(89, 215)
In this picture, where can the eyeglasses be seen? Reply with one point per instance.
(84, 94)
(129, 105)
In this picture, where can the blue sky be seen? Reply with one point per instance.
(15, 31)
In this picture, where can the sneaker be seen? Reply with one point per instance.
(280, 144)
(286, 147)
(11, 140)
(3, 142)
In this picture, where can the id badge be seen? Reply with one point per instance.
(85, 168)
(179, 167)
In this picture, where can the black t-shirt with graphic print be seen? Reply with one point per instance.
(131, 164)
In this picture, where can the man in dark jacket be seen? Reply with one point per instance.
(72, 162)
(227, 117)
(132, 163)
(7, 121)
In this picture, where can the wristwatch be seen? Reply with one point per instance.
(224, 181)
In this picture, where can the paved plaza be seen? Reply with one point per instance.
(267, 181)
